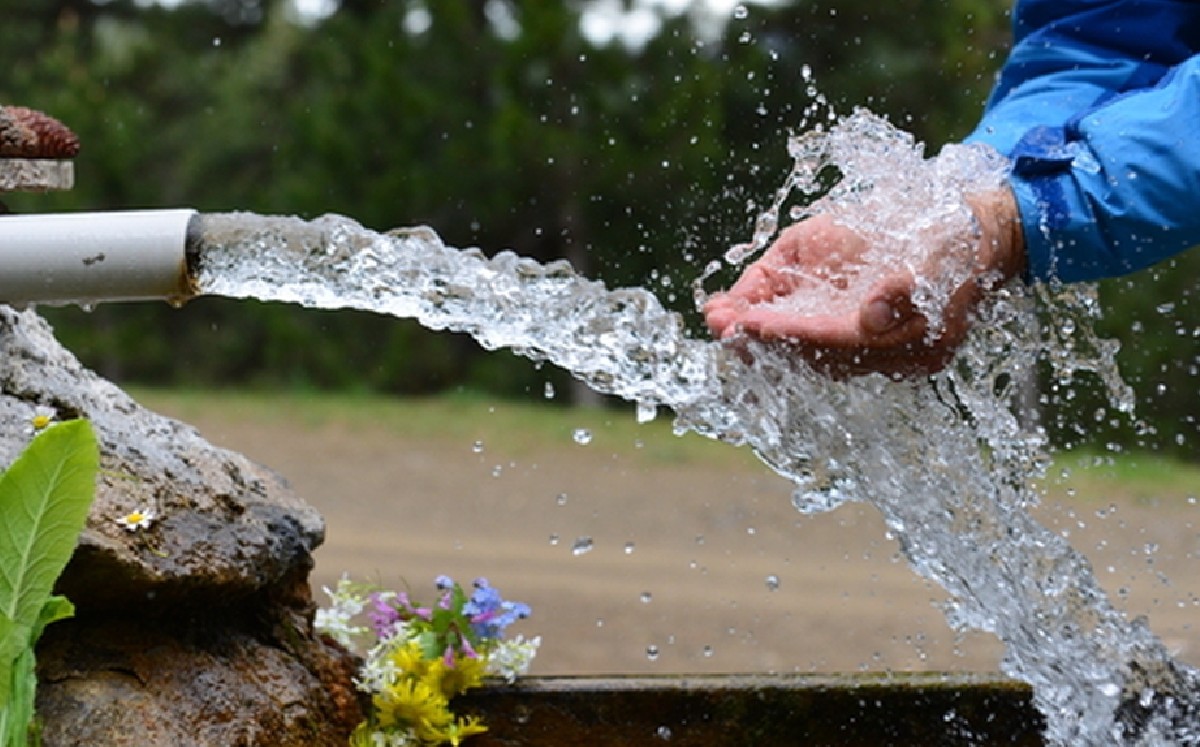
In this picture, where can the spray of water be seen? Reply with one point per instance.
(945, 460)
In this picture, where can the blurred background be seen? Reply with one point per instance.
(637, 139)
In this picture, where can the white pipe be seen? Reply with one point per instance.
(83, 258)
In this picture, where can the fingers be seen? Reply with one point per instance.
(721, 314)
(885, 334)
(769, 323)
(857, 331)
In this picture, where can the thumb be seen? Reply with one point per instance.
(888, 305)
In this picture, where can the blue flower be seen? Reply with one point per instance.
(489, 613)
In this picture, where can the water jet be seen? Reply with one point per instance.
(955, 490)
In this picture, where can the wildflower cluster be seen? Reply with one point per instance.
(422, 657)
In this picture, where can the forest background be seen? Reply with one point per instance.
(548, 128)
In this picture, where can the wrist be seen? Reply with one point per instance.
(1001, 247)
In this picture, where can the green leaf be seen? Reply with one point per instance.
(16, 716)
(56, 608)
(428, 641)
(44, 501)
(14, 640)
(18, 681)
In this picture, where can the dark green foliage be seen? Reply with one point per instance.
(637, 164)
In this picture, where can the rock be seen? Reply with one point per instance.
(197, 630)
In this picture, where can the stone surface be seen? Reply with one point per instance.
(197, 630)
(35, 175)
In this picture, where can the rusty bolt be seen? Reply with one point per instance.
(28, 133)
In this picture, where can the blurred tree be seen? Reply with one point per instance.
(501, 125)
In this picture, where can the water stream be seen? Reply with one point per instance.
(945, 460)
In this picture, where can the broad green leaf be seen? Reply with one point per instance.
(18, 681)
(14, 640)
(44, 501)
(16, 713)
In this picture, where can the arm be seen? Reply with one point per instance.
(1097, 106)
(1093, 93)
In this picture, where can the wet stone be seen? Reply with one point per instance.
(196, 630)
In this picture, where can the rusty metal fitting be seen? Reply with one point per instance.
(29, 133)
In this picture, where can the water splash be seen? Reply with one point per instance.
(945, 460)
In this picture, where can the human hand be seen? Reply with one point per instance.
(818, 289)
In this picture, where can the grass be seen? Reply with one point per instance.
(523, 428)
(1144, 476)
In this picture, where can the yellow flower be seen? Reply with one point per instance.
(414, 704)
(466, 673)
(407, 659)
(463, 728)
(366, 736)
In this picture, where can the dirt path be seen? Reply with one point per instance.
(680, 554)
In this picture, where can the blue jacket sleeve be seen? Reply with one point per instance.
(1098, 108)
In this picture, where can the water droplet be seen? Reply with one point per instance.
(663, 733)
(628, 346)
(477, 447)
(646, 597)
(582, 436)
(548, 390)
(772, 582)
(646, 411)
(708, 652)
(560, 499)
(554, 539)
(740, 12)
(629, 548)
(582, 546)
(652, 652)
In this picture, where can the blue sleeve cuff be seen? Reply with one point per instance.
(1116, 188)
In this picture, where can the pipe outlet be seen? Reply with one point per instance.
(85, 258)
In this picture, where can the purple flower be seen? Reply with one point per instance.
(489, 613)
(383, 614)
(467, 649)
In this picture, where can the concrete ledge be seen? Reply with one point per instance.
(35, 174)
(921, 710)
